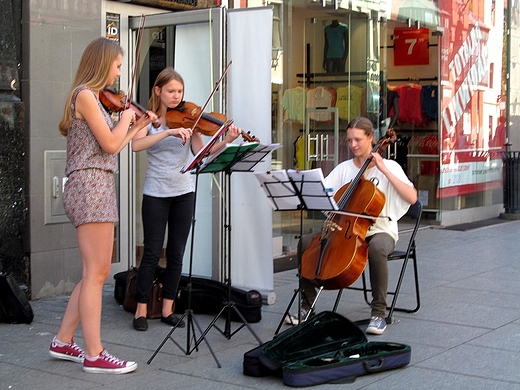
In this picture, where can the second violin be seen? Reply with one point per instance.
(188, 114)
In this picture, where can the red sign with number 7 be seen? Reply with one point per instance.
(411, 46)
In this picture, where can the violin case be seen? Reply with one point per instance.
(327, 348)
(207, 296)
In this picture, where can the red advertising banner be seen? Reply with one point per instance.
(411, 46)
(470, 161)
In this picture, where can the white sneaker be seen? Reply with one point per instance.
(377, 325)
(292, 319)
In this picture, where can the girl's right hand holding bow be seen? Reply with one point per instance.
(128, 116)
(181, 132)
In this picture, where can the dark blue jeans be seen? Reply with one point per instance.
(177, 213)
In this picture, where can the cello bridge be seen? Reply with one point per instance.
(332, 226)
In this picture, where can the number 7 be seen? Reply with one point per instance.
(411, 42)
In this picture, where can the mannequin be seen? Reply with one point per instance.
(392, 101)
(336, 47)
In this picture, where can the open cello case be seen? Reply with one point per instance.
(327, 348)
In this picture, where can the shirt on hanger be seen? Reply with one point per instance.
(293, 103)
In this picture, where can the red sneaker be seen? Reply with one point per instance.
(108, 364)
(71, 351)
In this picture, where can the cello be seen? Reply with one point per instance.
(338, 255)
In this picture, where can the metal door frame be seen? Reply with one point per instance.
(215, 18)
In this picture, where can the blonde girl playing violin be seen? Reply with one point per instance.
(93, 143)
(168, 196)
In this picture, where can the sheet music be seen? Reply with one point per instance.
(279, 190)
(310, 184)
(197, 159)
(254, 156)
(238, 157)
(294, 190)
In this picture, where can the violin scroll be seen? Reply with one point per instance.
(248, 137)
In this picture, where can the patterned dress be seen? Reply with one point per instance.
(90, 192)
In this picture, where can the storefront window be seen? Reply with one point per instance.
(420, 66)
(331, 75)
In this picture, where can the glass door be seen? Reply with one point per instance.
(192, 43)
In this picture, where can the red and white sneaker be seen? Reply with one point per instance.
(70, 351)
(105, 363)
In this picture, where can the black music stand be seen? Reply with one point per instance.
(194, 164)
(233, 158)
(297, 190)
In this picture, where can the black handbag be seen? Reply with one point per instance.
(14, 305)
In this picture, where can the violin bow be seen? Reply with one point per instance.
(211, 95)
(138, 52)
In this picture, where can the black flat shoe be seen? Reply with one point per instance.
(173, 320)
(140, 323)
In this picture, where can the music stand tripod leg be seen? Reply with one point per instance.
(290, 186)
(298, 291)
(227, 327)
(286, 313)
(244, 323)
(188, 313)
(168, 336)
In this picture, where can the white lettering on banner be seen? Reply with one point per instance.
(468, 48)
(475, 49)
(470, 173)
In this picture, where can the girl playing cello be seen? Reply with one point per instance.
(390, 179)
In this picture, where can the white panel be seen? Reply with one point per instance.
(249, 37)
(54, 183)
(193, 62)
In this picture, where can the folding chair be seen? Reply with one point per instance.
(413, 212)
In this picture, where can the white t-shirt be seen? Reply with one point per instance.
(395, 206)
(166, 158)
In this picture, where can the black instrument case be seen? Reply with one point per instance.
(327, 348)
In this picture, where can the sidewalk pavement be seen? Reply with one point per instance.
(466, 334)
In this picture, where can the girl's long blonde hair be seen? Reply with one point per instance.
(92, 72)
(163, 78)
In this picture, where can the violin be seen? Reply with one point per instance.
(338, 255)
(116, 101)
(188, 115)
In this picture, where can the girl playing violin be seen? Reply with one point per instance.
(93, 142)
(168, 196)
